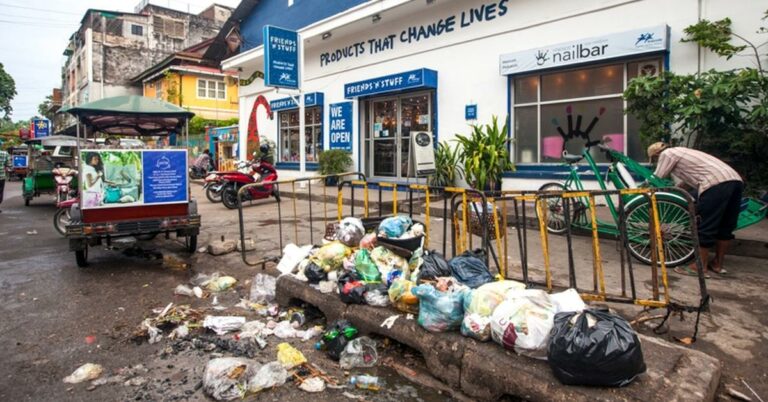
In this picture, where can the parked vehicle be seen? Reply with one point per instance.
(197, 173)
(262, 171)
(214, 182)
(20, 159)
(43, 154)
(63, 216)
(64, 176)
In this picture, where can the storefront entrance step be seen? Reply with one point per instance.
(486, 371)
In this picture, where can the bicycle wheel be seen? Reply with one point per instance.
(555, 209)
(675, 231)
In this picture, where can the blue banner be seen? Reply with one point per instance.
(41, 128)
(281, 57)
(165, 176)
(310, 99)
(340, 126)
(19, 161)
(421, 78)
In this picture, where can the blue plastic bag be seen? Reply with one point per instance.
(470, 269)
(440, 311)
(395, 226)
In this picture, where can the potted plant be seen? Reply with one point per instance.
(447, 166)
(485, 156)
(331, 162)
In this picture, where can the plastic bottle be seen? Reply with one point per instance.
(368, 382)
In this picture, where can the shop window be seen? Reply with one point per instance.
(211, 89)
(137, 30)
(159, 89)
(541, 102)
(288, 121)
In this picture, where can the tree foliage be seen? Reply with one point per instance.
(44, 108)
(7, 92)
(198, 124)
(724, 113)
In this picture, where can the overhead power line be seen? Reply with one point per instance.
(38, 9)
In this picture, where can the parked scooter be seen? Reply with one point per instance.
(262, 171)
(214, 182)
(63, 177)
(196, 172)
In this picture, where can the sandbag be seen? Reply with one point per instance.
(470, 269)
(594, 347)
(523, 321)
(330, 257)
(401, 296)
(433, 266)
(365, 267)
(440, 311)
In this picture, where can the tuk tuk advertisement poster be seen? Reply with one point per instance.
(110, 178)
(165, 176)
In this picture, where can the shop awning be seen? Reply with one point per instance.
(416, 79)
(310, 99)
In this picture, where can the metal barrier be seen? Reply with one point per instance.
(492, 220)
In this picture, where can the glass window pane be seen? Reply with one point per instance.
(584, 82)
(526, 89)
(211, 90)
(384, 119)
(635, 145)
(415, 115)
(526, 133)
(283, 118)
(611, 124)
(384, 157)
(405, 157)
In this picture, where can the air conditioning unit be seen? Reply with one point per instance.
(423, 151)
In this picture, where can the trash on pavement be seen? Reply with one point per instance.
(336, 337)
(183, 290)
(594, 347)
(367, 382)
(250, 245)
(314, 273)
(351, 288)
(223, 324)
(390, 321)
(292, 256)
(86, 372)
(221, 283)
(289, 356)
(440, 311)
(523, 321)
(395, 226)
(359, 352)
(365, 267)
(388, 261)
(326, 287)
(313, 385)
(226, 378)
(198, 292)
(368, 241)
(330, 257)
(263, 289)
(180, 332)
(376, 295)
(270, 375)
(568, 301)
(470, 268)
(350, 231)
(480, 303)
(221, 247)
(433, 266)
(401, 296)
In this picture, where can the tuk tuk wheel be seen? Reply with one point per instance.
(190, 242)
(81, 256)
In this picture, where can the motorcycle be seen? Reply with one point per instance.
(62, 217)
(196, 172)
(262, 171)
(214, 182)
(63, 177)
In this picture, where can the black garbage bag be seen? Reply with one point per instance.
(607, 353)
(314, 273)
(470, 269)
(433, 266)
(351, 288)
(336, 337)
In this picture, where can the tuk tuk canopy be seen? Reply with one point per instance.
(131, 115)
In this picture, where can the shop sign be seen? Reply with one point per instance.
(281, 57)
(40, 128)
(130, 178)
(621, 44)
(340, 129)
(422, 78)
(310, 99)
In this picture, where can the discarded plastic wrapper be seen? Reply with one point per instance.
(270, 375)
(359, 352)
(223, 324)
(226, 378)
(313, 385)
(326, 286)
(477, 327)
(289, 356)
(368, 241)
(394, 227)
(484, 299)
(86, 372)
(314, 273)
(523, 322)
(336, 337)
(153, 333)
(292, 256)
(440, 311)
(183, 290)
(351, 289)
(376, 295)
(390, 321)
(330, 257)
(387, 261)
(263, 289)
(366, 267)
(180, 332)
(568, 301)
(401, 296)
(221, 283)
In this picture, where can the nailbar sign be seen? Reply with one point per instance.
(413, 34)
(340, 126)
(622, 44)
(281, 58)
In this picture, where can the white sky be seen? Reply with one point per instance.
(35, 32)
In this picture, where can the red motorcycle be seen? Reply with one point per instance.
(262, 171)
(214, 182)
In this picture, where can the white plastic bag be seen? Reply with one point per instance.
(269, 375)
(86, 372)
(568, 301)
(359, 352)
(523, 321)
(226, 378)
(223, 324)
(263, 289)
(292, 256)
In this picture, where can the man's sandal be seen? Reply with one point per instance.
(686, 270)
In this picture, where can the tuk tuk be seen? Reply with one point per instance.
(130, 193)
(43, 155)
(19, 158)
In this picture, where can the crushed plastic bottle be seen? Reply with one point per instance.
(367, 382)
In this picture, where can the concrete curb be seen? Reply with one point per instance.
(486, 371)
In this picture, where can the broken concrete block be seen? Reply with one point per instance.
(221, 247)
(250, 245)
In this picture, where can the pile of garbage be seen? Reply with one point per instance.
(385, 264)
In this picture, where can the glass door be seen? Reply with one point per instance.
(385, 136)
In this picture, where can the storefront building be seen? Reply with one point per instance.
(386, 69)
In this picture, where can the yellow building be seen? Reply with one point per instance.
(187, 79)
